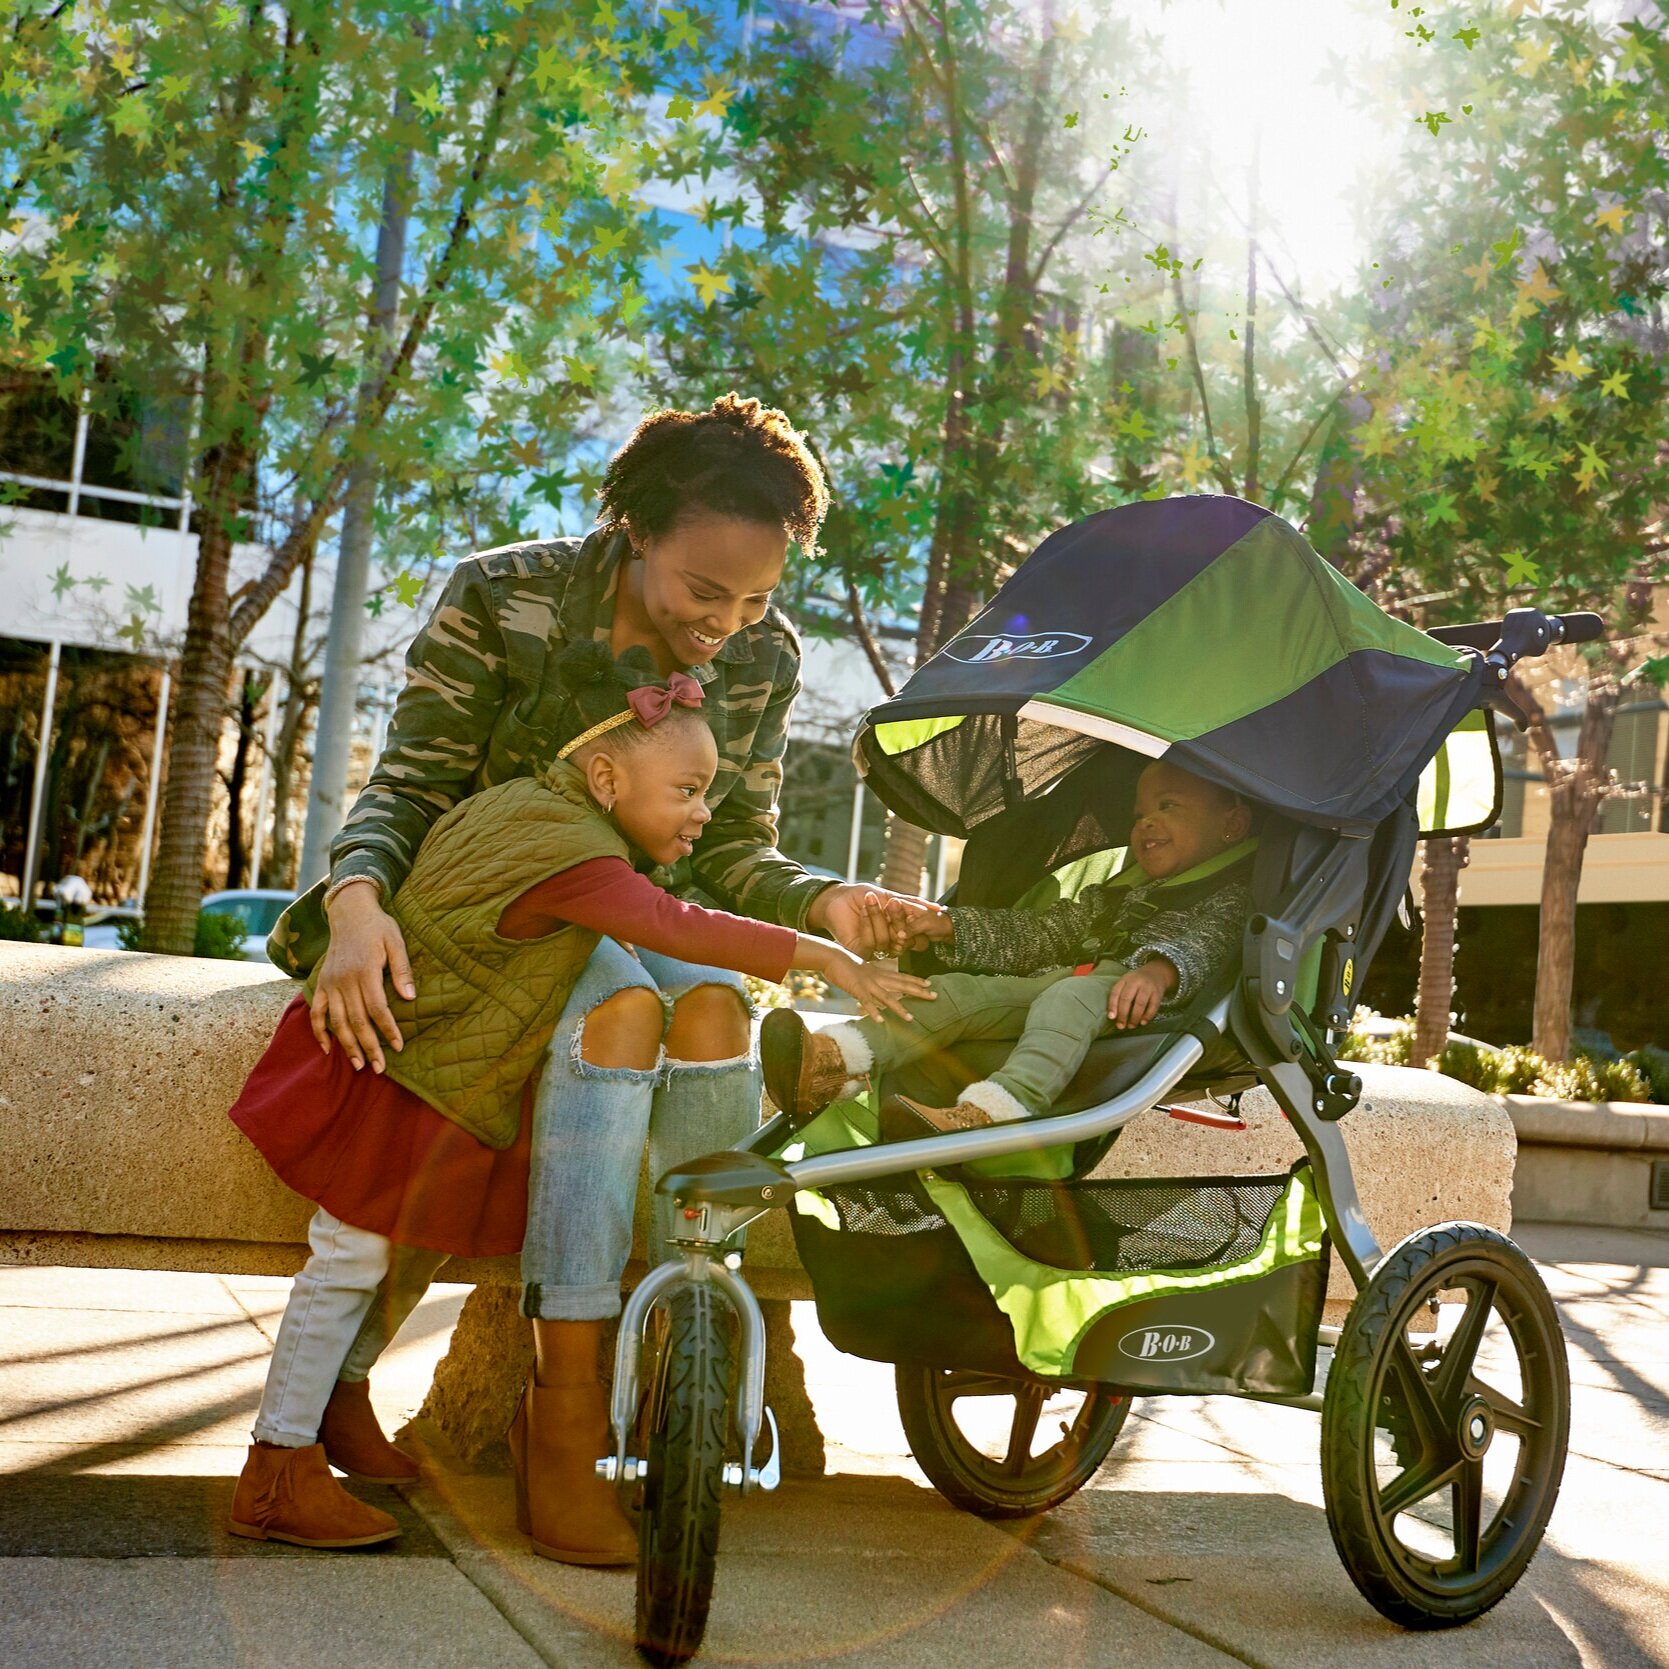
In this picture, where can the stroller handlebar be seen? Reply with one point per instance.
(1525, 632)
(1486, 634)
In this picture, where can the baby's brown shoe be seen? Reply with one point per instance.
(804, 1070)
(290, 1495)
(904, 1120)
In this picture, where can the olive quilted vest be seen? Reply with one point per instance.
(486, 1005)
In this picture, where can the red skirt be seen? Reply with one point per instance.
(378, 1156)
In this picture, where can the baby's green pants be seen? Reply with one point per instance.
(1056, 1015)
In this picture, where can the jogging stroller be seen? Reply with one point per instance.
(992, 1263)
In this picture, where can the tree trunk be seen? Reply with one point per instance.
(237, 849)
(1576, 790)
(904, 860)
(1439, 890)
(199, 715)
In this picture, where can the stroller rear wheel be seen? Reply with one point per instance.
(1443, 1428)
(988, 1461)
(678, 1532)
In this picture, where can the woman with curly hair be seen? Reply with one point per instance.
(650, 1049)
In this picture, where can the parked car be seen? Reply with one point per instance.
(257, 908)
(103, 927)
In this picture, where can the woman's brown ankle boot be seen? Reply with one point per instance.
(559, 1434)
(289, 1495)
(354, 1441)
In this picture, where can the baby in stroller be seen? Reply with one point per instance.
(1117, 955)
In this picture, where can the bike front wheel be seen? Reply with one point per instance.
(678, 1532)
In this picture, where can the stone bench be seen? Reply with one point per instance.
(117, 1068)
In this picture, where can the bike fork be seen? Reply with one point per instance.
(702, 1261)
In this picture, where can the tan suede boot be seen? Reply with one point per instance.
(559, 1434)
(290, 1495)
(904, 1120)
(804, 1070)
(354, 1441)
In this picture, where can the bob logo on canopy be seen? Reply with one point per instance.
(1166, 1344)
(1040, 646)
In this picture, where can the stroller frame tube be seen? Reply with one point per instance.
(1019, 1136)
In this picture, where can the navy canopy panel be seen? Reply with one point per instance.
(1200, 629)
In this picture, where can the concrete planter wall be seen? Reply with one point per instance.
(1589, 1161)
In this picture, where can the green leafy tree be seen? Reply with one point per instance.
(911, 214)
(190, 196)
(1514, 447)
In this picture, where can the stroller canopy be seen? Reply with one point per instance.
(1199, 629)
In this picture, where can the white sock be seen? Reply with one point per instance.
(992, 1098)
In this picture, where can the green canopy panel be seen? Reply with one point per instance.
(1200, 629)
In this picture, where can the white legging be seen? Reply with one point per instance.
(351, 1297)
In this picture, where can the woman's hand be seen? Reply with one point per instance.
(1136, 996)
(348, 1001)
(858, 916)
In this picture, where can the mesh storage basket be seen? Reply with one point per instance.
(1197, 1284)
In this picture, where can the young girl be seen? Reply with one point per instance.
(505, 902)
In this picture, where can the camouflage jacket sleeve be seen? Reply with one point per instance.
(736, 861)
(437, 737)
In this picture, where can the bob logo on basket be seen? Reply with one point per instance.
(1166, 1344)
(1040, 646)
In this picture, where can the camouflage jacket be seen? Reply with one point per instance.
(481, 703)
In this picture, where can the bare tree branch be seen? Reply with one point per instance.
(866, 639)
(1073, 216)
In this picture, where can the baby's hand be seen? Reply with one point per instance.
(877, 986)
(1136, 996)
(916, 924)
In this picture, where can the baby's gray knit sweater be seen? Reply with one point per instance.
(1127, 923)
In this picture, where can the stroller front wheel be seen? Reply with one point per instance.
(1001, 1472)
(1444, 1426)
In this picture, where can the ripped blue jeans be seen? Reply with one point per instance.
(590, 1128)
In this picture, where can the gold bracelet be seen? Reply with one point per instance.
(348, 881)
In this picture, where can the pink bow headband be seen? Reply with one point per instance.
(648, 704)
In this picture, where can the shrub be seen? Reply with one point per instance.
(1393, 1049)
(220, 936)
(1597, 1073)
(1652, 1063)
(1586, 1080)
(1470, 1063)
(799, 987)
(217, 935)
(21, 926)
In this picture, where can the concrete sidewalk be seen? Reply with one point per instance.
(125, 1400)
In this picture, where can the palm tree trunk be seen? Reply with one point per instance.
(1440, 890)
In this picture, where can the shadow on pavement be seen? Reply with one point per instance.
(64, 1515)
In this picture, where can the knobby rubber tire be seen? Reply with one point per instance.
(1364, 1391)
(678, 1531)
(970, 1479)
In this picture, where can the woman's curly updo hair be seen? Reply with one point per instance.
(597, 686)
(737, 458)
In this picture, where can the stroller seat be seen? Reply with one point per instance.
(1112, 1066)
